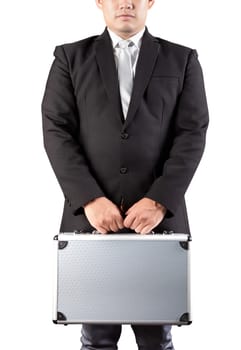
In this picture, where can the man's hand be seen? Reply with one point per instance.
(144, 215)
(103, 215)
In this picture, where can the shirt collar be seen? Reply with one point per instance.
(136, 39)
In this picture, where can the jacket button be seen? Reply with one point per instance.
(124, 135)
(123, 170)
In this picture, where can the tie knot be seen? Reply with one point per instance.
(123, 44)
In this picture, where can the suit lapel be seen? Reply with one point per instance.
(145, 65)
(109, 75)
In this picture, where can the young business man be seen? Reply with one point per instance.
(124, 120)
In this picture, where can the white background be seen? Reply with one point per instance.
(31, 200)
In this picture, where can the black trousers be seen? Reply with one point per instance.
(106, 336)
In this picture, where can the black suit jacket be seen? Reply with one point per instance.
(95, 152)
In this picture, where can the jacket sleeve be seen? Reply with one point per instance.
(190, 126)
(60, 129)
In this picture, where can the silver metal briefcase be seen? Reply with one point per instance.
(122, 278)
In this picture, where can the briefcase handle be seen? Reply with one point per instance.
(95, 232)
(165, 232)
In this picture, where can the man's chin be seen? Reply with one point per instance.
(127, 30)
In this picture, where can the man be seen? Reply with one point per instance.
(124, 119)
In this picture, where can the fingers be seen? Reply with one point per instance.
(104, 215)
(139, 223)
(138, 219)
(144, 216)
(113, 222)
(129, 220)
(101, 230)
(143, 230)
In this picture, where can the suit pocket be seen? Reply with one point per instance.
(165, 87)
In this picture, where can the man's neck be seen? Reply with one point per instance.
(126, 35)
(136, 39)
